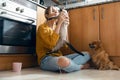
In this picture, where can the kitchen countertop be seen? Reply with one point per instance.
(37, 4)
(81, 4)
(91, 3)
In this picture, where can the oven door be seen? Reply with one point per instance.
(16, 37)
(18, 16)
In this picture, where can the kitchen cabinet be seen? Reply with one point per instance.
(110, 27)
(100, 22)
(40, 16)
(84, 27)
(27, 60)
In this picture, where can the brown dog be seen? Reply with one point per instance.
(100, 58)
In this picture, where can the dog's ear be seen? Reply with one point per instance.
(99, 44)
(96, 42)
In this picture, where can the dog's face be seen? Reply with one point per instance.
(95, 45)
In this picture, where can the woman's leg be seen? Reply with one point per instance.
(55, 63)
(69, 63)
(49, 63)
(79, 59)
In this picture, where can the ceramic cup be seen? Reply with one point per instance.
(17, 66)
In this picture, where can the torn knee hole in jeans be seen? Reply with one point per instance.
(63, 62)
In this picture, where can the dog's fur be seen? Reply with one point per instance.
(100, 57)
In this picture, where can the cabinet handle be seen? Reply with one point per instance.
(102, 13)
(94, 17)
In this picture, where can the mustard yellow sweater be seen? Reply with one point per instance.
(46, 39)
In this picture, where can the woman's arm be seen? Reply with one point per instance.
(62, 17)
(48, 36)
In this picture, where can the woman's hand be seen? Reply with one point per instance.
(63, 17)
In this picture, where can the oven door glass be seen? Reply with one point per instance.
(16, 33)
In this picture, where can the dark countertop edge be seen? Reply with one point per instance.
(42, 6)
(6, 54)
(86, 5)
(95, 4)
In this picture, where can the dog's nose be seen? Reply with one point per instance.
(91, 46)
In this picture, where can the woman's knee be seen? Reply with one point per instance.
(86, 55)
(63, 61)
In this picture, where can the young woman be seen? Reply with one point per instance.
(47, 37)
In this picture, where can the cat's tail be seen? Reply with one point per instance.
(73, 49)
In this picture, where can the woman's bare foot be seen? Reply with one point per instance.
(86, 66)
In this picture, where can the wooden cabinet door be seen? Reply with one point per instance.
(84, 27)
(75, 28)
(40, 16)
(110, 28)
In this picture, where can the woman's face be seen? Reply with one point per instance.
(53, 12)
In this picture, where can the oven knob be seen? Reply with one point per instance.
(18, 8)
(22, 10)
(3, 12)
(4, 4)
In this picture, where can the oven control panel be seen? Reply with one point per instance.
(18, 10)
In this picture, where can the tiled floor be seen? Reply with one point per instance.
(37, 74)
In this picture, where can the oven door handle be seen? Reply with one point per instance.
(31, 20)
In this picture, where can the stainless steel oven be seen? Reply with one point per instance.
(17, 27)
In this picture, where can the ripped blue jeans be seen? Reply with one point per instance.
(76, 62)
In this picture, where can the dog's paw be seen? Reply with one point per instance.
(115, 68)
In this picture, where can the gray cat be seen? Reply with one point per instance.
(63, 37)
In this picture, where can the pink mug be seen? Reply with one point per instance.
(17, 66)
